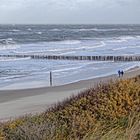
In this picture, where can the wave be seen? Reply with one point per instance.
(67, 69)
(48, 47)
(39, 33)
(67, 53)
(15, 30)
(55, 30)
(121, 48)
(74, 49)
(90, 29)
(29, 29)
(7, 41)
(100, 30)
(8, 44)
(62, 50)
(102, 44)
(99, 45)
(3, 59)
(134, 65)
(133, 47)
(126, 38)
(9, 47)
(138, 36)
(127, 47)
(30, 52)
(116, 41)
(122, 39)
(67, 42)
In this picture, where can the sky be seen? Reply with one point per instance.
(69, 11)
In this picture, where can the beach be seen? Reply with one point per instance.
(16, 103)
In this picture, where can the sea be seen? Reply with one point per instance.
(88, 40)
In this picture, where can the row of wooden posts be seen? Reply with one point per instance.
(90, 58)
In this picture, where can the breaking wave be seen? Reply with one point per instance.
(3, 59)
(55, 30)
(67, 42)
(100, 30)
(8, 44)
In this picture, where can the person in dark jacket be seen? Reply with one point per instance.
(122, 73)
(119, 73)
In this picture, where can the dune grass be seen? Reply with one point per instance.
(108, 112)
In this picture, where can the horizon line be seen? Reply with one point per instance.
(69, 23)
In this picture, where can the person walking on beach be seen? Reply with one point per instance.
(122, 73)
(119, 73)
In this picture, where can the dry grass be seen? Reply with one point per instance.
(107, 112)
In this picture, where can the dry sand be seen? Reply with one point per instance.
(15, 103)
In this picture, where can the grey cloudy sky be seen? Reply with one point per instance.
(70, 11)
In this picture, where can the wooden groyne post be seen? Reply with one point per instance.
(126, 58)
(50, 78)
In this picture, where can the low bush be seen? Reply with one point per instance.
(107, 112)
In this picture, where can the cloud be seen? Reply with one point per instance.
(69, 11)
(61, 4)
(16, 4)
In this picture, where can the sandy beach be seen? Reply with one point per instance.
(15, 103)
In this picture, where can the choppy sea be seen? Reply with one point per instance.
(63, 40)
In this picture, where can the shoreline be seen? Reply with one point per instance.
(37, 83)
(16, 103)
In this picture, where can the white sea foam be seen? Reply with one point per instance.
(8, 44)
(74, 49)
(37, 52)
(121, 39)
(3, 59)
(126, 38)
(15, 30)
(138, 36)
(66, 69)
(134, 47)
(116, 41)
(100, 30)
(127, 47)
(70, 42)
(55, 30)
(62, 50)
(121, 48)
(67, 42)
(39, 33)
(102, 44)
(29, 29)
(9, 47)
(135, 64)
(99, 45)
(69, 52)
(7, 41)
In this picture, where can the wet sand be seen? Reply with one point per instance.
(15, 103)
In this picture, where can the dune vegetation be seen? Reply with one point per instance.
(107, 112)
